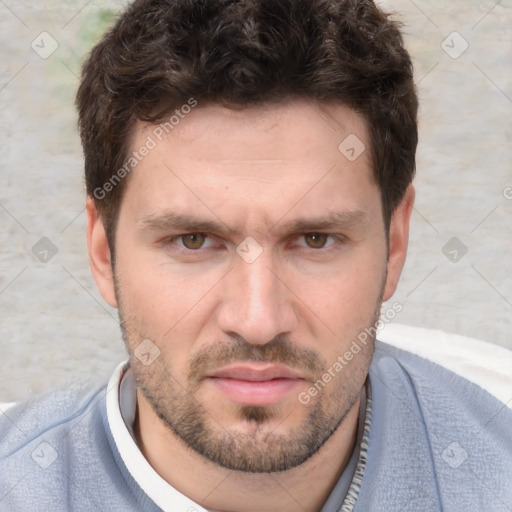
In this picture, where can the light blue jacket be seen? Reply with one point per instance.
(436, 442)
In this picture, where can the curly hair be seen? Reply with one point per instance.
(239, 53)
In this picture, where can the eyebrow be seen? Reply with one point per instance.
(347, 219)
(173, 221)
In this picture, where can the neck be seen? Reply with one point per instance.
(305, 487)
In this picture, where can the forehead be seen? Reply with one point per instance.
(264, 160)
(305, 127)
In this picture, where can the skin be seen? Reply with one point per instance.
(300, 303)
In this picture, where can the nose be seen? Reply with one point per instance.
(257, 304)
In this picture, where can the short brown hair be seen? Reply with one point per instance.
(161, 53)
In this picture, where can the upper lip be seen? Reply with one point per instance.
(253, 372)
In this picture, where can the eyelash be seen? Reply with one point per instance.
(337, 239)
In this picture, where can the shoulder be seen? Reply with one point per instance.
(57, 452)
(442, 395)
(487, 365)
(434, 375)
(453, 436)
(48, 446)
(48, 416)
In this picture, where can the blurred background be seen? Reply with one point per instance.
(55, 327)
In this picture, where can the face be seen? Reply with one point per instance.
(251, 252)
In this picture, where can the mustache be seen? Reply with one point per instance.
(278, 350)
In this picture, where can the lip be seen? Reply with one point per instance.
(255, 384)
(256, 372)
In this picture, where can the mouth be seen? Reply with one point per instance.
(255, 384)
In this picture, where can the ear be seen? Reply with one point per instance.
(398, 241)
(99, 254)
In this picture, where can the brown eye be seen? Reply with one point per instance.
(193, 240)
(316, 240)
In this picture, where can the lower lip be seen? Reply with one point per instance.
(255, 393)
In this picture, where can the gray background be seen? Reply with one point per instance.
(55, 328)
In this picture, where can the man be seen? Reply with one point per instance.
(248, 168)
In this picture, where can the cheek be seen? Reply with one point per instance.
(162, 303)
(347, 302)
(150, 296)
(148, 282)
(347, 292)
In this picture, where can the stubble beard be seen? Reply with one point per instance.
(257, 448)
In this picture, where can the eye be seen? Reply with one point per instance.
(192, 241)
(317, 240)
